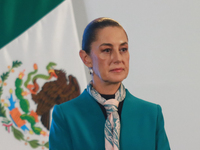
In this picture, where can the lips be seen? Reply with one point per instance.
(117, 70)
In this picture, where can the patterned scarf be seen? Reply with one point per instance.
(112, 125)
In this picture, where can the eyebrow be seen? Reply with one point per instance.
(108, 44)
(124, 43)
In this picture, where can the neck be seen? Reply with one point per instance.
(106, 87)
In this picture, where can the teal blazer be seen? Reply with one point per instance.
(79, 125)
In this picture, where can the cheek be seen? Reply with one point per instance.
(98, 64)
(127, 65)
(101, 61)
(104, 56)
(127, 60)
(101, 68)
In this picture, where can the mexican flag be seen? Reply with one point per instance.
(39, 68)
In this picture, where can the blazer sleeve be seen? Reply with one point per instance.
(162, 142)
(59, 138)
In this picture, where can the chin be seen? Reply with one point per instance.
(115, 80)
(111, 78)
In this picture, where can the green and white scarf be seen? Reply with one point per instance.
(112, 124)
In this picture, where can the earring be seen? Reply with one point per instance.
(91, 71)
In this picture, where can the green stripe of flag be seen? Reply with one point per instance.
(16, 16)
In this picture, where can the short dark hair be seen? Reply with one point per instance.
(91, 29)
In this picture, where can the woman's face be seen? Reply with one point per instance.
(110, 55)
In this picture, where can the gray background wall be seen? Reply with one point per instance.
(164, 44)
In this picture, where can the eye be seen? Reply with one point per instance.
(107, 50)
(124, 49)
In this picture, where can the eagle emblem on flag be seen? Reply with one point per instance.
(40, 90)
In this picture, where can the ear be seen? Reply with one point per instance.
(85, 58)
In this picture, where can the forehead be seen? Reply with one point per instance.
(111, 34)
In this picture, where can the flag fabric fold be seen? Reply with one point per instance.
(39, 68)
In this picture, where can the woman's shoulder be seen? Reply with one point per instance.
(140, 103)
(81, 100)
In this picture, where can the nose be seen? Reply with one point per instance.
(116, 56)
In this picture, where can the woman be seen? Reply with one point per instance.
(106, 115)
